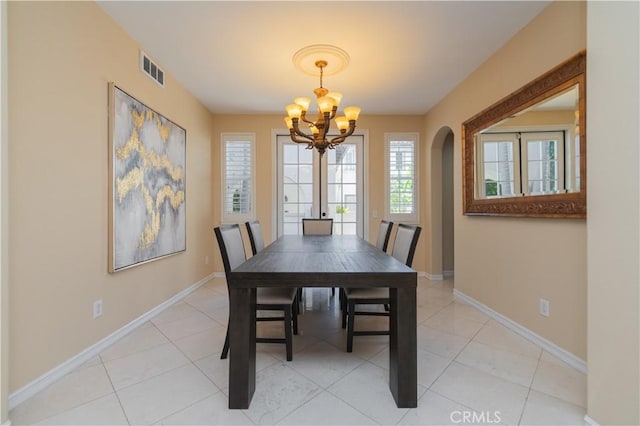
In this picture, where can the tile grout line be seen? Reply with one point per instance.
(533, 377)
(115, 392)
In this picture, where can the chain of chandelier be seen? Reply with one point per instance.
(328, 103)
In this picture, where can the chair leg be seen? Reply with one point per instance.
(343, 307)
(225, 348)
(295, 310)
(287, 332)
(350, 311)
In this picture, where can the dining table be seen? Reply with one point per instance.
(322, 261)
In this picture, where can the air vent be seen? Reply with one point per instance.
(151, 69)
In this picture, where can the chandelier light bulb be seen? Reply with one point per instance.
(325, 104)
(294, 110)
(342, 123)
(337, 97)
(352, 113)
(303, 102)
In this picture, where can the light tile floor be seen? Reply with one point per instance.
(169, 372)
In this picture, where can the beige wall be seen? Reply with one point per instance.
(613, 383)
(4, 224)
(263, 125)
(538, 118)
(497, 259)
(61, 57)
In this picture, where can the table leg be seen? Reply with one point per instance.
(403, 347)
(242, 346)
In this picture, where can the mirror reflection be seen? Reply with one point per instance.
(534, 152)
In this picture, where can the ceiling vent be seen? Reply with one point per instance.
(151, 69)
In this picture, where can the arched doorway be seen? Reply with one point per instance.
(442, 202)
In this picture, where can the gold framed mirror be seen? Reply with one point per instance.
(526, 154)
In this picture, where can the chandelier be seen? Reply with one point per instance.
(328, 103)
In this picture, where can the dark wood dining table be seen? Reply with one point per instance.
(322, 261)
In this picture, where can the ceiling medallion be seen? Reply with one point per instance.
(305, 59)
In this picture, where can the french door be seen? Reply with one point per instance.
(329, 188)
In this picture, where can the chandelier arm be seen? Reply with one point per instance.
(303, 117)
(296, 131)
(296, 139)
(341, 138)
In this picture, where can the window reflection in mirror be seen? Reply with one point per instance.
(535, 152)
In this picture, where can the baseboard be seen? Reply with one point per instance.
(545, 344)
(588, 421)
(447, 274)
(217, 275)
(434, 277)
(74, 362)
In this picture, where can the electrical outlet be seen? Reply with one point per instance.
(544, 307)
(97, 309)
(206, 260)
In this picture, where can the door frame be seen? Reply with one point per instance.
(274, 180)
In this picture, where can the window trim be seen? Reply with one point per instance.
(410, 218)
(231, 218)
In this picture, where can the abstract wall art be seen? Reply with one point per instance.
(147, 197)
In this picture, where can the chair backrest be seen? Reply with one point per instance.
(383, 234)
(255, 236)
(405, 244)
(317, 226)
(231, 246)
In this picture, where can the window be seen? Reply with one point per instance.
(238, 177)
(522, 163)
(401, 177)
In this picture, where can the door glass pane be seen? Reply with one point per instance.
(291, 193)
(305, 173)
(305, 193)
(290, 173)
(342, 192)
(334, 193)
(296, 187)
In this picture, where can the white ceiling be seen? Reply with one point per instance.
(235, 56)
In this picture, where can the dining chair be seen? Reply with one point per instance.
(384, 232)
(267, 298)
(254, 230)
(317, 227)
(404, 248)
